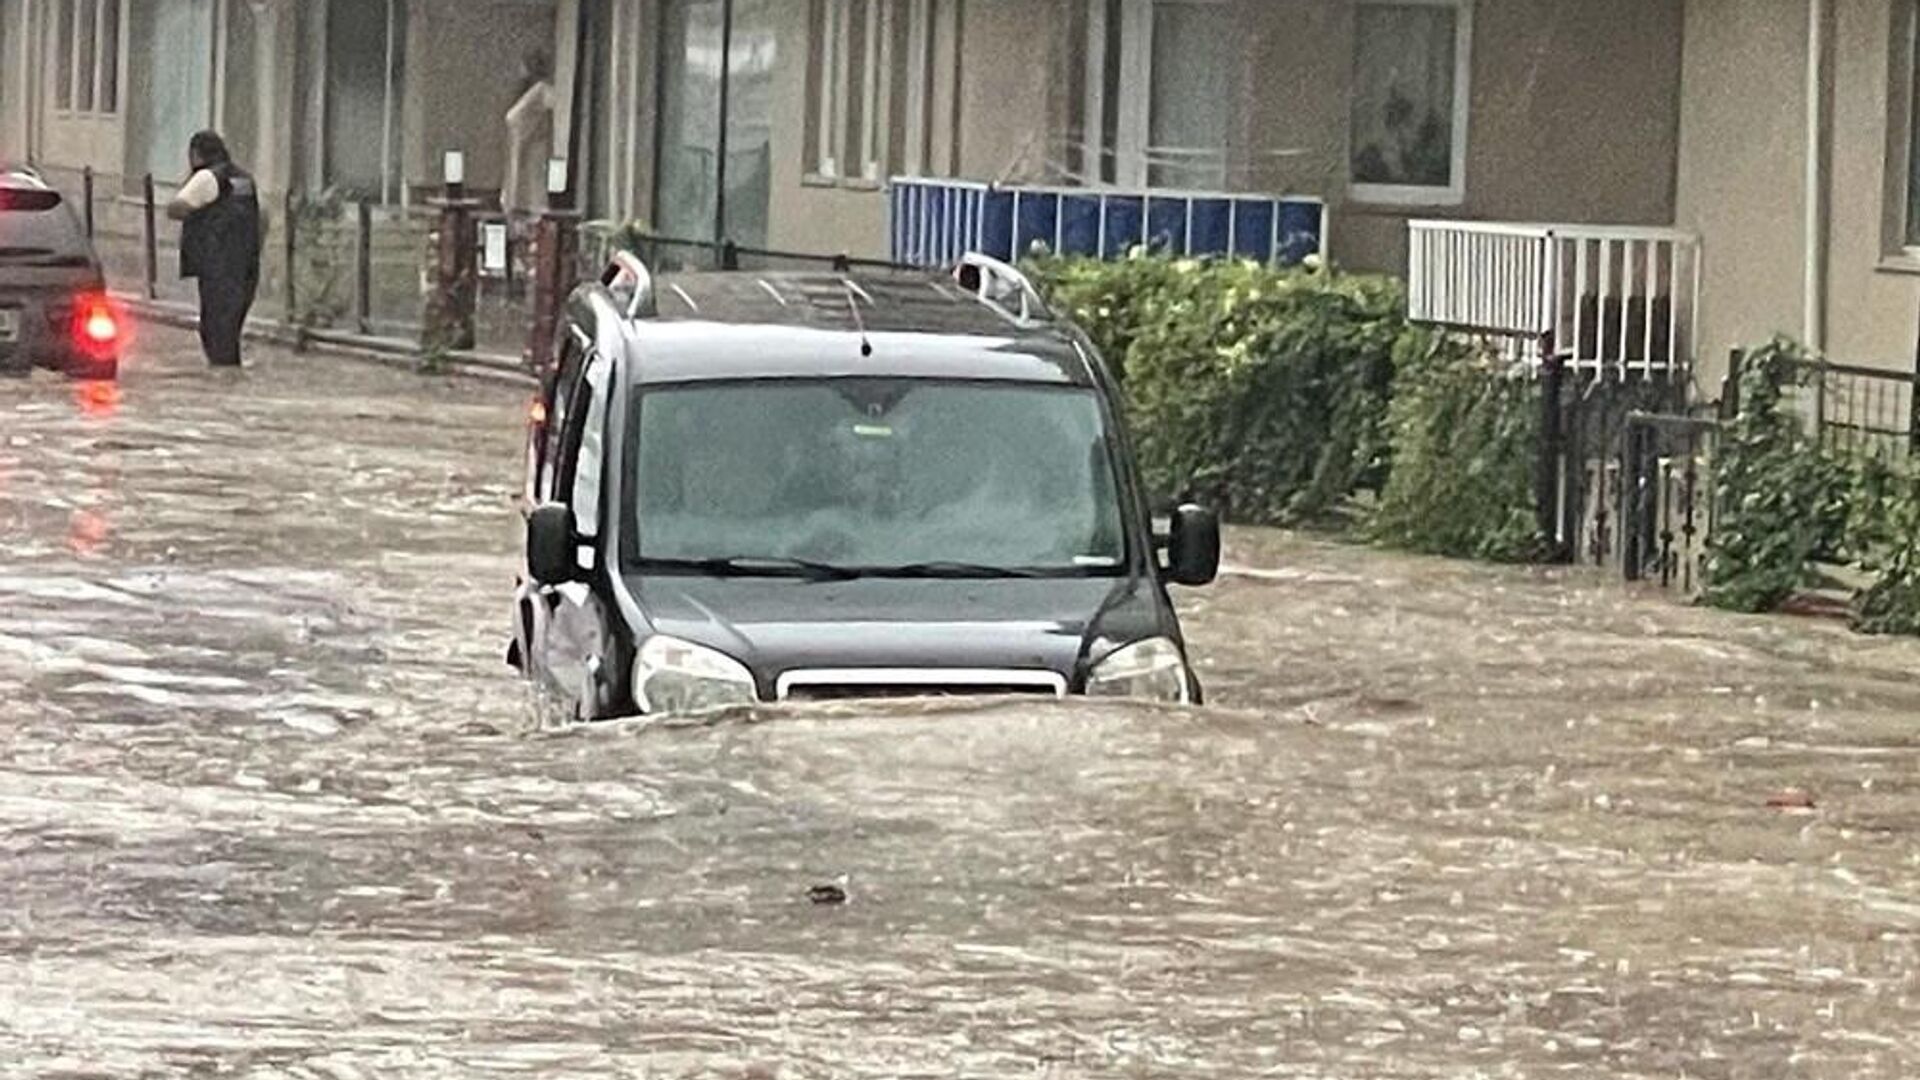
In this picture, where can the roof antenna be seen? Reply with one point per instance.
(860, 324)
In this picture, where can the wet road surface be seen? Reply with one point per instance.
(271, 806)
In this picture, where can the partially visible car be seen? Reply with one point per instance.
(54, 309)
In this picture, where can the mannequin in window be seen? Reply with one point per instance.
(529, 138)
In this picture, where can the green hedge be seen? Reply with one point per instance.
(1464, 429)
(1785, 502)
(1259, 391)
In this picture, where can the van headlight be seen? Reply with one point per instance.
(1152, 670)
(671, 676)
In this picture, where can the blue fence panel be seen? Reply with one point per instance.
(933, 222)
(1167, 218)
(1210, 229)
(1253, 228)
(1080, 225)
(1126, 226)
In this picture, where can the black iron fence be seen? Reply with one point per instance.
(1666, 498)
(1860, 409)
(1580, 472)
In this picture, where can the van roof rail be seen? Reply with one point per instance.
(995, 282)
(626, 271)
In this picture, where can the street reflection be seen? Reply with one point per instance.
(87, 532)
(97, 400)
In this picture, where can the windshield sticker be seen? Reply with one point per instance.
(873, 431)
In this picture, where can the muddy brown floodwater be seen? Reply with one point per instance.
(271, 806)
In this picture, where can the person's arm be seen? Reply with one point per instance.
(199, 192)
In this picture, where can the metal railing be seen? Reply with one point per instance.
(1666, 498)
(1614, 300)
(933, 222)
(1861, 409)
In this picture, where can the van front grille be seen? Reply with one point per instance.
(937, 683)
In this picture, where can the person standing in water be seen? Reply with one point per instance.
(219, 213)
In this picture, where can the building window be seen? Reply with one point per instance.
(86, 47)
(1157, 93)
(870, 87)
(1411, 60)
(1911, 107)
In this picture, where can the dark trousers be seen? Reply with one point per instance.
(224, 302)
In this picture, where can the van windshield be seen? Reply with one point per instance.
(883, 477)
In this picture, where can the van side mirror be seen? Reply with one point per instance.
(1193, 546)
(550, 543)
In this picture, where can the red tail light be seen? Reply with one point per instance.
(98, 331)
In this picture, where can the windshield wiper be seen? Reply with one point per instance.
(949, 570)
(757, 566)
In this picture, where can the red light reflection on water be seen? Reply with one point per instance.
(97, 400)
(86, 531)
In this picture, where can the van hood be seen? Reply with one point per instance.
(779, 625)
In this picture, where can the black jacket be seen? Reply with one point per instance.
(222, 239)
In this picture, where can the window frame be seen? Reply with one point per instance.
(1902, 221)
(1128, 162)
(94, 77)
(871, 73)
(1454, 193)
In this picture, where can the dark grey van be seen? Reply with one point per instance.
(749, 488)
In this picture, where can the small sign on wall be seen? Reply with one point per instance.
(493, 242)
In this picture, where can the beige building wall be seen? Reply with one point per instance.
(1743, 177)
(1873, 294)
(1742, 169)
(996, 104)
(1572, 119)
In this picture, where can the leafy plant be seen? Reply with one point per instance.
(1260, 391)
(1464, 428)
(1771, 489)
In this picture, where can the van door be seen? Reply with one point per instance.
(574, 648)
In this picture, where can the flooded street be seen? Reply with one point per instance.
(271, 805)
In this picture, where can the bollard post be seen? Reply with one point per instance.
(86, 184)
(556, 255)
(363, 259)
(152, 239)
(448, 322)
(289, 253)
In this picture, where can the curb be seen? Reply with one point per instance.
(388, 352)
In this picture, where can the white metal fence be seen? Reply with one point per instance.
(1619, 300)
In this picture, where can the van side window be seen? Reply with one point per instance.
(560, 409)
(590, 454)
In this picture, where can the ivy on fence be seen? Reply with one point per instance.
(1787, 502)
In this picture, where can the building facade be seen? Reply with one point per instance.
(1387, 109)
(362, 96)
(1780, 131)
(1800, 169)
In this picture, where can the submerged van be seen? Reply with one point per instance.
(752, 487)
